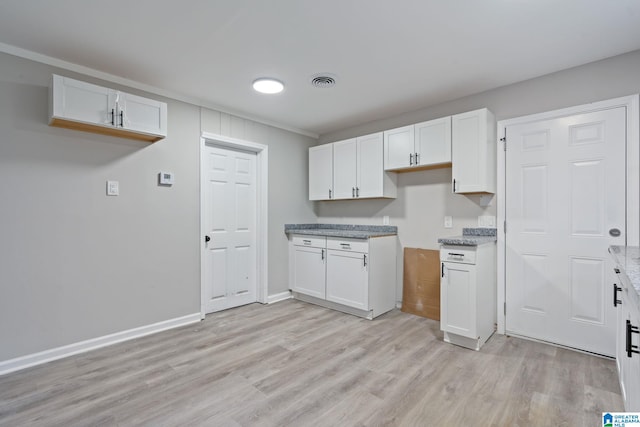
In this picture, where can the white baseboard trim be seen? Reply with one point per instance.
(279, 297)
(22, 362)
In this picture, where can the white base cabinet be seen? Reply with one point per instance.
(359, 276)
(628, 338)
(468, 294)
(78, 105)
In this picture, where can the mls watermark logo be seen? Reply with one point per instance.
(620, 419)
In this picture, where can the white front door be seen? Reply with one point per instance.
(230, 228)
(565, 204)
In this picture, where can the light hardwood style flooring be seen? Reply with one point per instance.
(296, 364)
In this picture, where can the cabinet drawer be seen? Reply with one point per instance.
(343, 244)
(313, 241)
(461, 254)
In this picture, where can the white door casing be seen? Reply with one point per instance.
(563, 188)
(234, 260)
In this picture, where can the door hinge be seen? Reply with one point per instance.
(504, 226)
(505, 308)
(504, 140)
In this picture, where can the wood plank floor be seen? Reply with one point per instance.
(296, 364)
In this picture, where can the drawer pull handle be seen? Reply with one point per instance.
(306, 242)
(454, 254)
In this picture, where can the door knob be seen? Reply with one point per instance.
(614, 232)
(207, 239)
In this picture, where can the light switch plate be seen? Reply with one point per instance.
(113, 188)
(448, 222)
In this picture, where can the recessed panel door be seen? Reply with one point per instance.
(344, 169)
(565, 204)
(347, 278)
(230, 227)
(458, 299)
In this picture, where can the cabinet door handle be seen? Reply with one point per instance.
(616, 270)
(629, 346)
(616, 301)
(442, 272)
(357, 192)
(353, 191)
(329, 193)
(454, 185)
(365, 259)
(417, 157)
(323, 255)
(113, 117)
(410, 159)
(121, 118)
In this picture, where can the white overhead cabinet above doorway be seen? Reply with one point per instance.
(74, 104)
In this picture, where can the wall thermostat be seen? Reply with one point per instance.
(165, 178)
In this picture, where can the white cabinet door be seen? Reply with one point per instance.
(321, 172)
(473, 154)
(82, 102)
(458, 299)
(399, 148)
(344, 169)
(370, 165)
(631, 377)
(309, 271)
(433, 142)
(347, 278)
(141, 114)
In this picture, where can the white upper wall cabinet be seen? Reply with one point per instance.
(345, 177)
(321, 172)
(420, 146)
(474, 152)
(357, 170)
(433, 142)
(78, 105)
(399, 148)
(372, 180)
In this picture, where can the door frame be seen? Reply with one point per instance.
(262, 190)
(631, 103)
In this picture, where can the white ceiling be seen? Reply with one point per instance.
(389, 56)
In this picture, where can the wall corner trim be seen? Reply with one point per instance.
(29, 360)
(279, 297)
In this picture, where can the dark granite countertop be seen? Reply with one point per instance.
(342, 230)
(471, 237)
(627, 259)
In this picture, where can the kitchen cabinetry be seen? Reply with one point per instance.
(468, 294)
(353, 170)
(474, 152)
(627, 341)
(420, 146)
(359, 275)
(308, 261)
(75, 104)
(321, 172)
(358, 169)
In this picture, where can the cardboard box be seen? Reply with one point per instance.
(421, 284)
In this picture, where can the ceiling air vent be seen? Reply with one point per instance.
(323, 80)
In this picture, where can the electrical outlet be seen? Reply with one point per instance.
(486, 221)
(113, 188)
(448, 222)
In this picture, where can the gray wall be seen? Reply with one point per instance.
(76, 264)
(424, 198)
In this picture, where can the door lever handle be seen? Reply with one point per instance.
(207, 239)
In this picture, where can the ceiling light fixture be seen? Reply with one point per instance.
(268, 85)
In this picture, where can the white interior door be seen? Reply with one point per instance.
(230, 225)
(565, 197)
